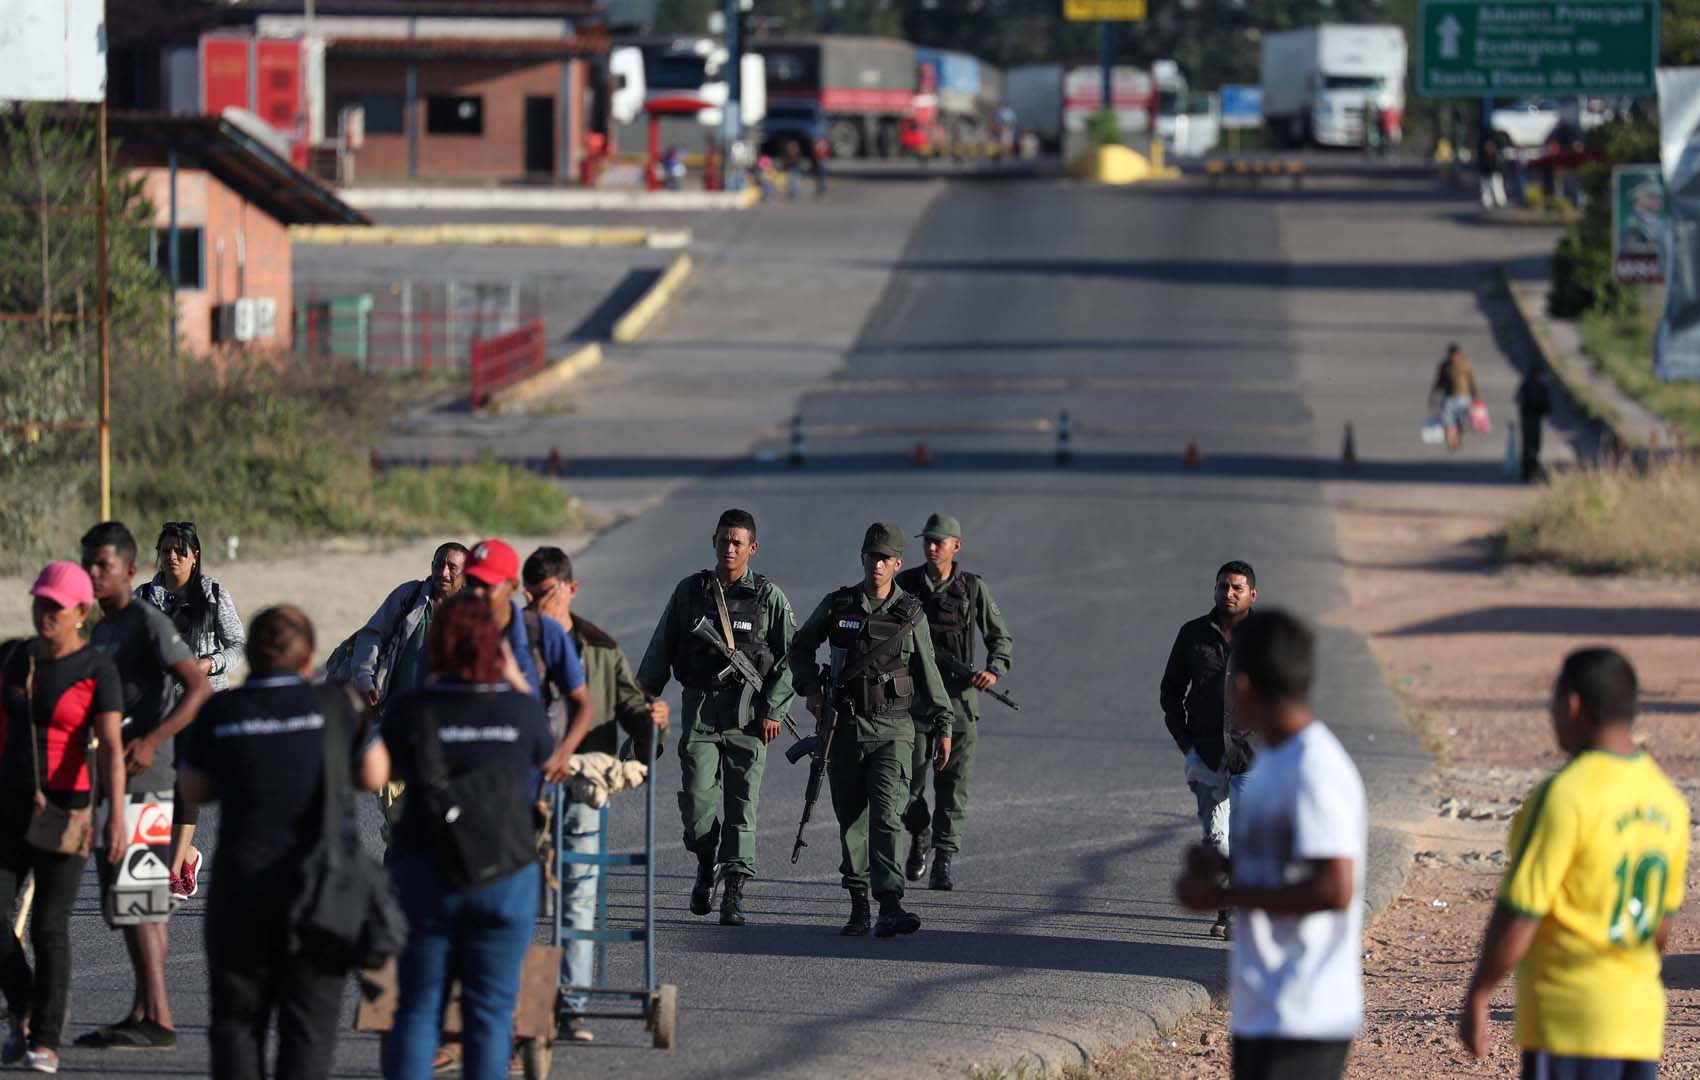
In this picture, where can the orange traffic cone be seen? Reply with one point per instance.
(1191, 459)
(1349, 450)
(921, 456)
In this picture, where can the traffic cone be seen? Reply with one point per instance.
(921, 456)
(1065, 440)
(797, 453)
(1349, 450)
(553, 465)
(1513, 464)
(1191, 459)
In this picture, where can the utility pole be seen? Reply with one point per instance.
(1107, 61)
(731, 120)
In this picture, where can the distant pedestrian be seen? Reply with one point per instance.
(762, 173)
(1198, 711)
(791, 158)
(1534, 403)
(819, 152)
(259, 752)
(619, 705)
(1454, 393)
(205, 616)
(148, 653)
(55, 692)
(1597, 861)
(673, 169)
(1297, 873)
(472, 740)
(1490, 166)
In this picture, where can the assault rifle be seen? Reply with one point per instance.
(817, 747)
(950, 665)
(738, 667)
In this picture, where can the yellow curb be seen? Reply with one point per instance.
(535, 235)
(546, 382)
(637, 318)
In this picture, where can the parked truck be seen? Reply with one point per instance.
(956, 105)
(1034, 92)
(1320, 82)
(856, 92)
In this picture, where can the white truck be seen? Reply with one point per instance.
(1320, 82)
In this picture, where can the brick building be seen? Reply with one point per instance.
(235, 198)
(449, 90)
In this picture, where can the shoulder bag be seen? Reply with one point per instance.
(346, 913)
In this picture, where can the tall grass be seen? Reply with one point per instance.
(1614, 520)
(1623, 345)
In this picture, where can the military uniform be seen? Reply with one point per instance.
(721, 754)
(873, 742)
(957, 608)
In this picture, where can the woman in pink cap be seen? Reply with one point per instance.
(54, 692)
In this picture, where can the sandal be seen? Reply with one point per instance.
(448, 1058)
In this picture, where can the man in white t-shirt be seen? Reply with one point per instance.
(1299, 839)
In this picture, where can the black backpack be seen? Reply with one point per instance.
(483, 825)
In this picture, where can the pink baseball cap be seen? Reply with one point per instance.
(64, 583)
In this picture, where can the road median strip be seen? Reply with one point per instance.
(577, 236)
(631, 325)
(549, 381)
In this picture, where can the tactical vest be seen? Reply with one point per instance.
(698, 663)
(885, 688)
(950, 610)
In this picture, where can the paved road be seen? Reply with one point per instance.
(1155, 317)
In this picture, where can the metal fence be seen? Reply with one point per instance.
(411, 326)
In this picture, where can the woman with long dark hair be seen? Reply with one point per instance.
(203, 613)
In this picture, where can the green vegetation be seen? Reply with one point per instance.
(262, 447)
(1104, 128)
(1623, 345)
(1581, 267)
(1612, 521)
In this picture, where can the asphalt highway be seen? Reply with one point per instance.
(1154, 318)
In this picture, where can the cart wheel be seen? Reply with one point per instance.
(664, 1017)
(535, 1056)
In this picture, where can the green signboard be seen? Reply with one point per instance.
(1505, 48)
(1638, 221)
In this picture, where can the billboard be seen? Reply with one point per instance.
(52, 50)
(1242, 107)
(1638, 222)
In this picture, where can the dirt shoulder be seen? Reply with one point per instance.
(1471, 649)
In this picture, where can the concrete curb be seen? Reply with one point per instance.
(637, 318)
(1571, 382)
(575, 236)
(551, 379)
(569, 199)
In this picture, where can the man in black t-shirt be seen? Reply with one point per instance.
(259, 752)
(148, 653)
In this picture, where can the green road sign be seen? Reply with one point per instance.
(1501, 48)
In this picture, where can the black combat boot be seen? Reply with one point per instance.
(941, 879)
(915, 868)
(861, 919)
(702, 892)
(893, 919)
(732, 900)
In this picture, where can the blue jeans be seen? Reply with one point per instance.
(479, 937)
(1539, 1065)
(582, 825)
(1215, 798)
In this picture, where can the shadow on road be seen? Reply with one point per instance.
(1342, 276)
(1586, 621)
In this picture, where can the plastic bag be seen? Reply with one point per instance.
(1434, 432)
(1479, 418)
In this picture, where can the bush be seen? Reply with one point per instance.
(1105, 128)
(1617, 520)
(1581, 266)
(483, 498)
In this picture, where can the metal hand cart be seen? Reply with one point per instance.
(657, 1004)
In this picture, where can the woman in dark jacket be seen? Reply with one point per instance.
(470, 728)
(55, 691)
(204, 614)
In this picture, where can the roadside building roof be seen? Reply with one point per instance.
(583, 43)
(473, 9)
(240, 160)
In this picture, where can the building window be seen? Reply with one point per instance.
(384, 112)
(446, 115)
(190, 265)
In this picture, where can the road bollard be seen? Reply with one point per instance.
(1065, 440)
(798, 453)
(1349, 450)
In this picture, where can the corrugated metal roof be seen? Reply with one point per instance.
(589, 43)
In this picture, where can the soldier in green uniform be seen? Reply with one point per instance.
(879, 686)
(723, 734)
(958, 605)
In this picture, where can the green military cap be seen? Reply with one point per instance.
(882, 539)
(942, 527)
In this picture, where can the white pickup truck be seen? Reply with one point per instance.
(1529, 123)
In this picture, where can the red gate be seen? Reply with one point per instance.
(503, 360)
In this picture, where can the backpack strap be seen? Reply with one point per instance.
(534, 645)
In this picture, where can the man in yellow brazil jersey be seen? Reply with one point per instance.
(1596, 863)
